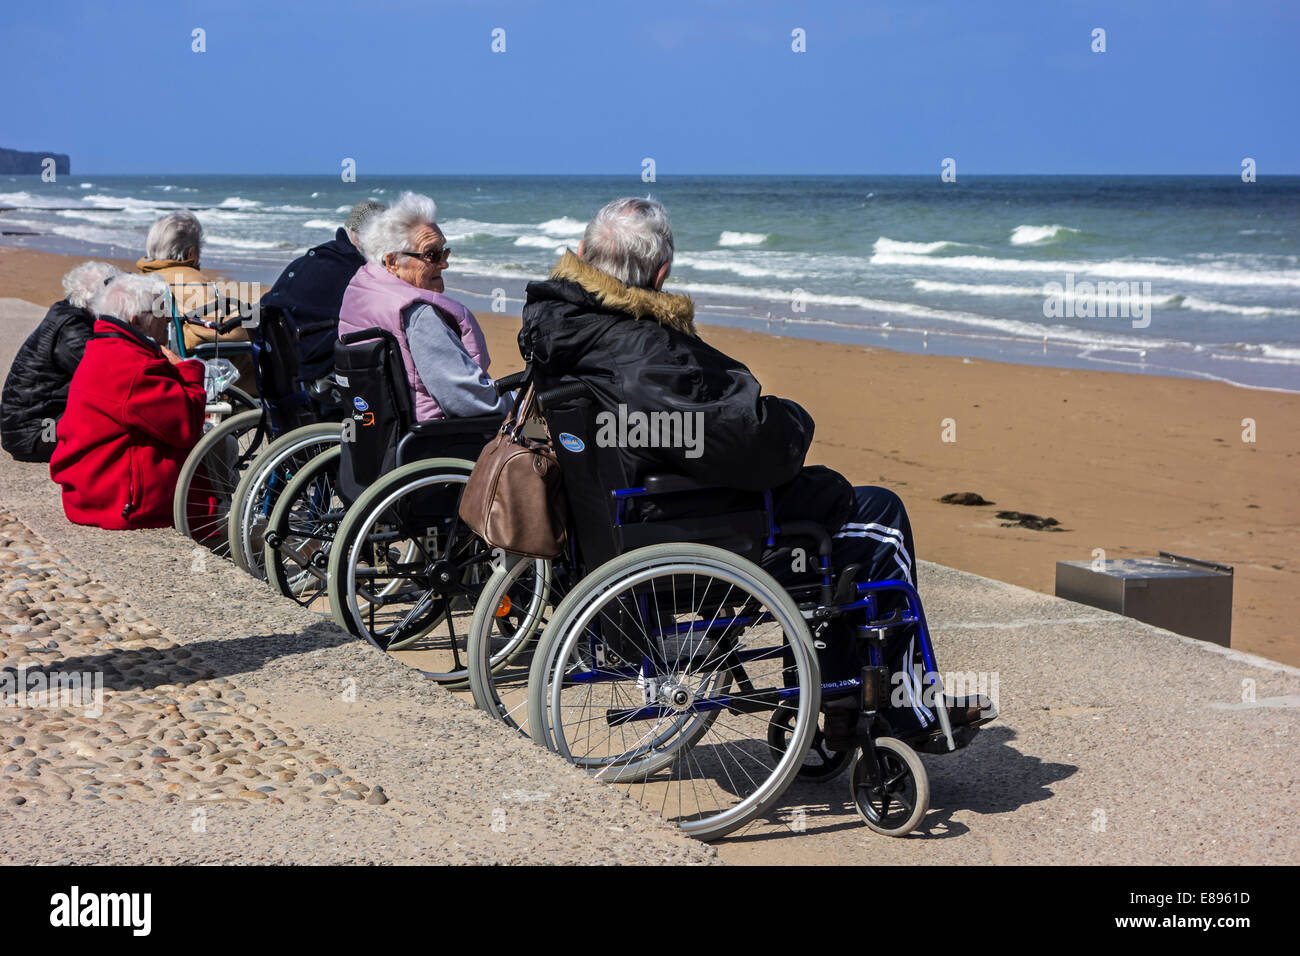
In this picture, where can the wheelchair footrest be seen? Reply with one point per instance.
(938, 743)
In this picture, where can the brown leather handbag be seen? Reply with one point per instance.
(512, 499)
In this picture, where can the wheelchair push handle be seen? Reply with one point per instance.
(351, 338)
(241, 310)
(562, 393)
(511, 382)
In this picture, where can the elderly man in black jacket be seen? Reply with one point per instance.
(311, 287)
(36, 388)
(603, 318)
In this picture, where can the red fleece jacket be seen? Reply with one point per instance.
(131, 420)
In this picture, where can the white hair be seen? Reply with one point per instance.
(86, 281)
(630, 239)
(174, 235)
(392, 229)
(128, 296)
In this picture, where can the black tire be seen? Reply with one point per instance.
(302, 526)
(405, 580)
(222, 454)
(261, 484)
(682, 728)
(901, 804)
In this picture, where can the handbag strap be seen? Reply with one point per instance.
(525, 405)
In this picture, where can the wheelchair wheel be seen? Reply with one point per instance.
(301, 531)
(510, 612)
(898, 805)
(261, 484)
(405, 572)
(240, 400)
(820, 763)
(659, 673)
(207, 482)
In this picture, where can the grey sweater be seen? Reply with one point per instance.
(459, 386)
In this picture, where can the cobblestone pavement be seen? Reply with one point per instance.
(117, 711)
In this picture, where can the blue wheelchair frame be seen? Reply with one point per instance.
(866, 601)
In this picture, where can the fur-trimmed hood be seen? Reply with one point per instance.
(669, 309)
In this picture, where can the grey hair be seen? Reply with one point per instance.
(128, 296)
(390, 230)
(630, 239)
(361, 214)
(86, 281)
(173, 235)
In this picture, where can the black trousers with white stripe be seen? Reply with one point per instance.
(877, 536)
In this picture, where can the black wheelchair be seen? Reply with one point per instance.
(235, 472)
(660, 657)
(370, 528)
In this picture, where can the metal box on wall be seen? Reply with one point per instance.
(1180, 594)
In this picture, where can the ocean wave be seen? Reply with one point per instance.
(233, 243)
(227, 215)
(99, 235)
(25, 200)
(563, 227)
(743, 238)
(343, 209)
(1031, 330)
(130, 202)
(106, 215)
(963, 288)
(1279, 352)
(293, 209)
(1030, 235)
(319, 224)
(468, 227)
(740, 267)
(1112, 269)
(238, 202)
(1172, 300)
(540, 242)
(886, 245)
(87, 185)
(492, 270)
(1249, 311)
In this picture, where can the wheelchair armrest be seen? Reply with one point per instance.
(477, 424)
(669, 484)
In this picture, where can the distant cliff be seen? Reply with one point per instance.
(16, 162)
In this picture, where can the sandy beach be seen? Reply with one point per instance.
(1127, 463)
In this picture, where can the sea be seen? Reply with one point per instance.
(1193, 276)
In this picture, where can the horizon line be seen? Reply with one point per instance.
(621, 175)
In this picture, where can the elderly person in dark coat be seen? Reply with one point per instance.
(310, 291)
(36, 388)
(603, 318)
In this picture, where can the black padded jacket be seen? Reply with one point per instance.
(36, 389)
(637, 350)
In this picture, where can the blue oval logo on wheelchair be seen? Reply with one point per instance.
(360, 404)
(571, 442)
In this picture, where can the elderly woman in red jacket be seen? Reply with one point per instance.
(135, 409)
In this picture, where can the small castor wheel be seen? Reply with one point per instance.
(820, 763)
(894, 799)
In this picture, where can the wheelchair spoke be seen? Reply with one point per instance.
(665, 683)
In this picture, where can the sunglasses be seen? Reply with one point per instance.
(433, 256)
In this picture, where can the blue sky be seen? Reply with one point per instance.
(708, 86)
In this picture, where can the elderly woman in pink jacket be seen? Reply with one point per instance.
(400, 290)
